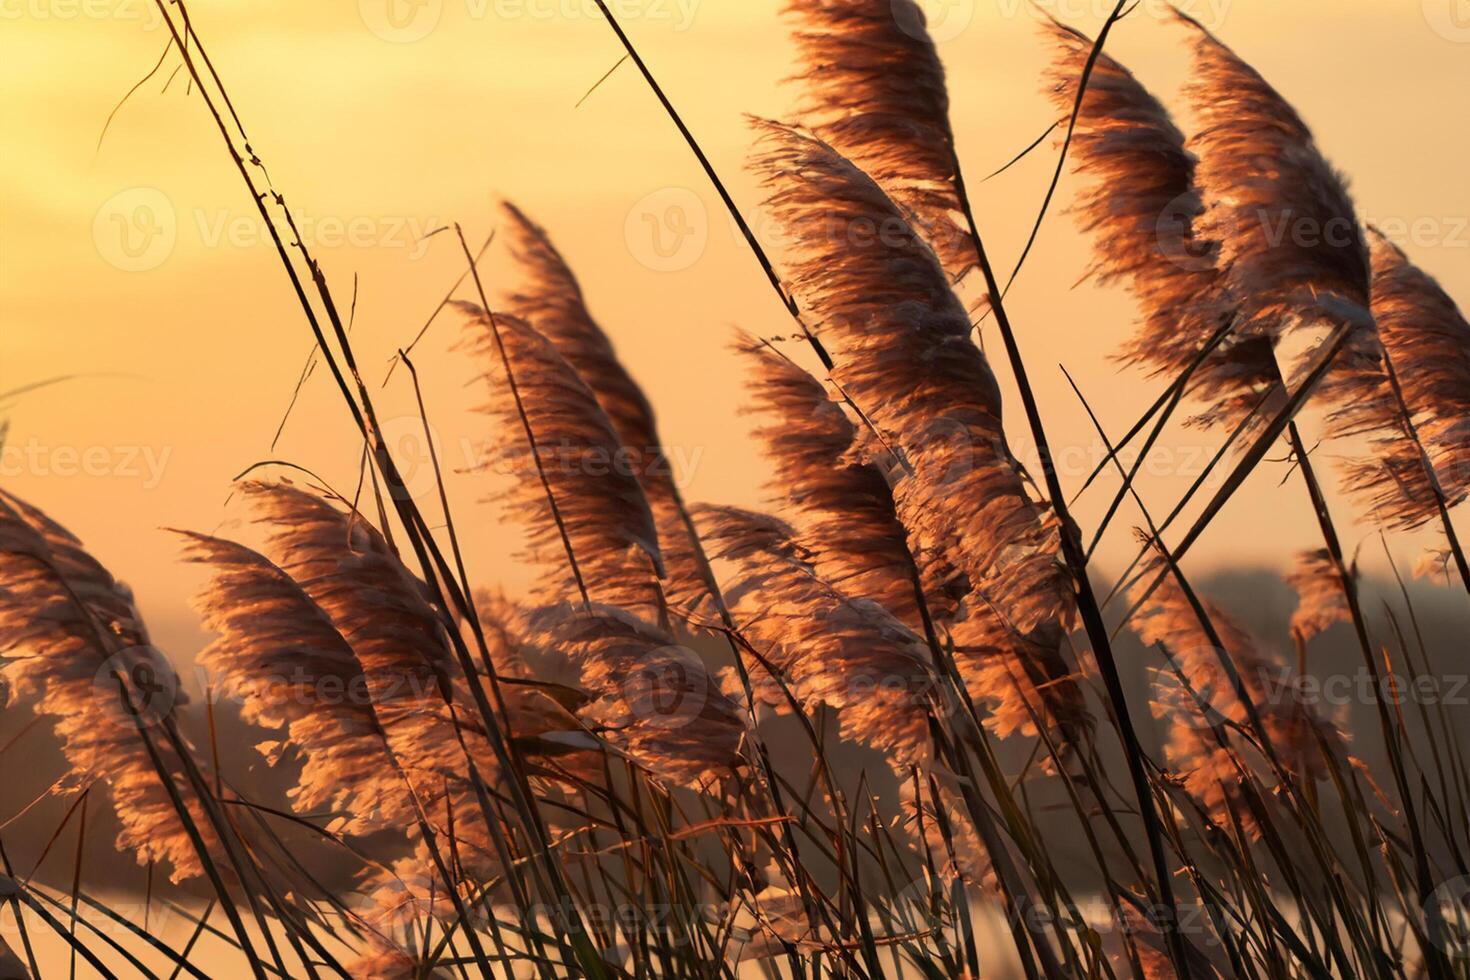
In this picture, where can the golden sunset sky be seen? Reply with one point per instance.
(139, 267)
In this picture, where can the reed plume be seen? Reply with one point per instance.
(654, 699)
(1290, 246)
(1141, 208)
(383, 961)
(1426, 341)
(827, 647)
(279, 652)
(551, 301)
(344, 565)
(873, 88)
(928, 802)
(1202, 704)
(1321, 594)
(847, 520)
(1148, 942)
(69, 635)
(900, 340)
(601, 537)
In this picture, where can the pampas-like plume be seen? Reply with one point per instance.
(381, 961)
(281, 654)
(900, 341)
(551, 301)
(348, 570)
(849, 653)
(1153, 954)
(848, 523)
(1427, 341)
(67, 629)
(655, 700)
(599, 505)
(1291, 248)
(1141, 207)
(1020, 678)
(1321, 596)
(874, 89)
(1211, 773)
(928, 802)
(1433, 563)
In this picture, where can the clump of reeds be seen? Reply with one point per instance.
(78, 651)
(577, 782)
(873, 87)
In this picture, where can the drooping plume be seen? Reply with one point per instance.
(1321, 596)
(551, 301)
(381, 961)
(1200, 699)
(1290, 246)
(599, 506)
(417, 688)
(900, 339)
(279, 653)
(844, 506)
(68, 632)
(1020, 678)
(654, 699)
(848, 653)
(1427, 342)
(1141, 208)
(873, 88)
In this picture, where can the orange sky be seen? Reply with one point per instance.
(140, 268)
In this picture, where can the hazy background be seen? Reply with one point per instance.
(140, 266)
